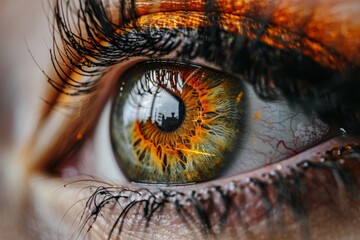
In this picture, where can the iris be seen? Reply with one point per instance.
(174, 123)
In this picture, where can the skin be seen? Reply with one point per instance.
(34, 196)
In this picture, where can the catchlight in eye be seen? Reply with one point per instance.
(172, 123)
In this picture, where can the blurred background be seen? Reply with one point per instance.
(22, 23)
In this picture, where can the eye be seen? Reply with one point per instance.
(202, 94)
(172, 122)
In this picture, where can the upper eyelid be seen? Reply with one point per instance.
(329, 22)
(304, 18)
(268, 10)
(78, 45)
(60, 1)
(98, 18)
(90, 51)
(75, 66)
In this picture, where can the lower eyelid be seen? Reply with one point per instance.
(178, 210)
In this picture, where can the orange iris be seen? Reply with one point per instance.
(176, 123)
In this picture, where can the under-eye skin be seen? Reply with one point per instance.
(153, 145)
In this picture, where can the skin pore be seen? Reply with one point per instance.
(53, 195)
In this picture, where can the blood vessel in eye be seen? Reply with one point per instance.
(172, 123)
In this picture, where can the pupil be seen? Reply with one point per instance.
(177, 124)
(169, 111)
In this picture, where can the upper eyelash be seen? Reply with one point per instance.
(287, 188)
(300, 79)
(86, 54)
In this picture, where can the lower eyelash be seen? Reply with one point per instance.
(209, 210)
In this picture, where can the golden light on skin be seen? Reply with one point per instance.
(333, 23)
(272, 36)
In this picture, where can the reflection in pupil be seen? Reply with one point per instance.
(178, 124)
(169, 104)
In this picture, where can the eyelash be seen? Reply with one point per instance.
(286, 187)
(156, 42)
(298, 78)
(267, 82)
